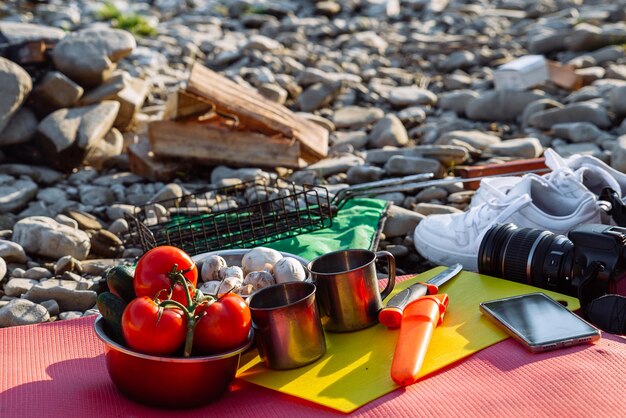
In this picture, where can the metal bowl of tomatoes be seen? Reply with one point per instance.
(171, 382)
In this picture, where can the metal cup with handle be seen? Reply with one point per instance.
(347, 288)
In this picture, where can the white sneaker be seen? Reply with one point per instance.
(592, 172)
(556, 205)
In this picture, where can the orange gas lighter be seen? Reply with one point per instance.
(420, 319)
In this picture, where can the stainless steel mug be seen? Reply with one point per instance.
(347, 288)
(287, 326)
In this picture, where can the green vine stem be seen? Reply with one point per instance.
(177, 276)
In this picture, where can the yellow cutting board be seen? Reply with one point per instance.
(356, 367)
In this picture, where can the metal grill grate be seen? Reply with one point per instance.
(240, 216)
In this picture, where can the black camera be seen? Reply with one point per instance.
(588, 263)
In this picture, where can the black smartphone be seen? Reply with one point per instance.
(539, 322)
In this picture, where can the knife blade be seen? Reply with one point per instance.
(391, 315)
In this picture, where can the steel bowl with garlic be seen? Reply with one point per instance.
(245, 271)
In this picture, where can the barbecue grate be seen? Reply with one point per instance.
(240, 216)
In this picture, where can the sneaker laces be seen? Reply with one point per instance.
(492, 210)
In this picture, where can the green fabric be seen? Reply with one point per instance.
(354, 226)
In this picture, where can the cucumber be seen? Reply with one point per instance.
(111, 308)
(120, 282)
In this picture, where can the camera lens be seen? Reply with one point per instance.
(527, 255)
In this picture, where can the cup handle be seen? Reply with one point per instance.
(391, 264)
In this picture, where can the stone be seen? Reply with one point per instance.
(17, 287)
(119, 227)
(427, 209)
(577, 131)
(461, 198)
(329, 166)
(51, 306)
(119, 210)
(410, 96)
(447, 155)
(129, 92)
(262, 43)
(618, 100)
(396, 198)
(538, 106)
(616, 71)
(431, 193)
(356, 139)
(111, 146)
(18, 32)
(55, 91)
(367, 39)
(12, 252)
(327, 8)
(364, 174)
(42, 175)
(317, 96)
(3, 269)
(476, 139)
(20, 128)
(88, 56)
(457, 101)
(15, 194)
(585, 37)
(399, 165)
(618, 156)
(400, 221)
(70, 315)
(585, 148)
(458, 60)
(413, 115)
(16, 84)
(106, 244)
(22, 312)
(273, 92)
(67, 263)
(500, 105)
(37, 273)
(577, 112)
(308, 76)
(169, 195)
(518, 147)
(355, 117)
(46, 237)
(86, 221)
(65, 292)
(388, 131)
(70, 134)
(95, 195)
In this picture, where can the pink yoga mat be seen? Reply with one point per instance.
(58, 370)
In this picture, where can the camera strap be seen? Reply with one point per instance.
(617, 208)
(608, 313)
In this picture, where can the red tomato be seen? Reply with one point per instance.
(224, 326)
(145, 332)
(151, 273)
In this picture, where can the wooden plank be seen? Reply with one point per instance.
(211, 144)
(144, 163)
(257, 112)
(182, 104)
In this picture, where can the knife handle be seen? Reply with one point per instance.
(391, 315)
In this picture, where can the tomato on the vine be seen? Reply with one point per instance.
(224, 324)
(150, 329)
(152, 277)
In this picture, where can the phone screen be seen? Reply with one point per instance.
(539, 321)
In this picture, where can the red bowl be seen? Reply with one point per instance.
(171, 382)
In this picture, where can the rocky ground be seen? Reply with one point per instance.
(404, 87)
